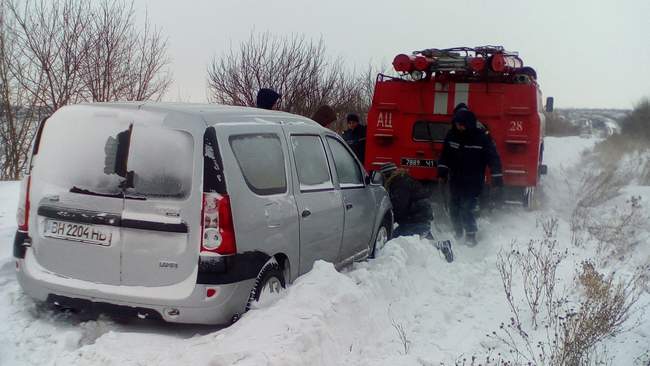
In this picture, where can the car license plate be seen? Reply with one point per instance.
(92, 234)
(421, 163)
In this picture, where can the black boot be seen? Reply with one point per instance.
(445, 248)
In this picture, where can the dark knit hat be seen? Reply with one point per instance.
(465, 117)
(460, 106)
(266, 98)
(352, 117)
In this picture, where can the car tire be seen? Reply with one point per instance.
(382, 235)
(269, 280)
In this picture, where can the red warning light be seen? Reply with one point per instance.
(403, 63)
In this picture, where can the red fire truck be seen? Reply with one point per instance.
(411, 113)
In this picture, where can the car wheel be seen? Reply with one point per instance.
(381, 237)
(269, 284)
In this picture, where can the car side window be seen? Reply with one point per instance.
(311, 163)
(347, 168)
(261, 161)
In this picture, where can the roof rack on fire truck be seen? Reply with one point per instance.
(483, 61)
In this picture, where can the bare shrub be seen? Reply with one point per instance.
(604, 310)
(59, 52)
(52, 38)
(296, 67)
(598, 187)
(19, 111)
(537, 266)
(549, 226)
(486, 360)
(557, 125)
(614, 230)
(572, 334)
(126, 62)
(637, 122)
(595, 188)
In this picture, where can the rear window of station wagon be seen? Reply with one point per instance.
(80, 156)
(261, 161)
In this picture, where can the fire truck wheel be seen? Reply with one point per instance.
(381, 237)
(530, 199)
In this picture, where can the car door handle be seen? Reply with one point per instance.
(348, 206)
(306, 213)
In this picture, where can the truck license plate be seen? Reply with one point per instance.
(92, 234)
(421, 163)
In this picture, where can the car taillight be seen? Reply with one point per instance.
(22, 214)
(218, 231)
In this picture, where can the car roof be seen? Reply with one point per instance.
(212, 113)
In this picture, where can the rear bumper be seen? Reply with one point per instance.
(185, 302)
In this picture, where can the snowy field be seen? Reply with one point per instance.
(334, 318)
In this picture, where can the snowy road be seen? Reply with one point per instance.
(326, 317)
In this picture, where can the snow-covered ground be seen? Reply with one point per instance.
(328, 317)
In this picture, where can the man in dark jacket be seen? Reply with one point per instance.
(412, 209)
(467, 151)
(355, 136)
(266, 98)
(411, 206)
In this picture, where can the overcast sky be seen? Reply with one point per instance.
(587, 53)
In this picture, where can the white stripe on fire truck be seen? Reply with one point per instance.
(462, 93)
(440, 99)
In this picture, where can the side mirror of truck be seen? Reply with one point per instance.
(376, 178)
(549, 104)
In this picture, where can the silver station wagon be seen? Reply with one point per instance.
(188, 213)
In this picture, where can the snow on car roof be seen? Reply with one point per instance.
(211, 113)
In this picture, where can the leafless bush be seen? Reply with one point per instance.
(537, 265)
(19, 112)
(58, 52)
(486, 360)
(127, 62)
(636, 122)
(606, 307)
(557, 125)
(595, 188)
(614, 230)
(296, 67)
(52, 39)
(572, 334)
(549, 226)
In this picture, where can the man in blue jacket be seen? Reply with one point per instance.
(467, 151)
(355, 136)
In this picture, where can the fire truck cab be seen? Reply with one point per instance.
(411, 113)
